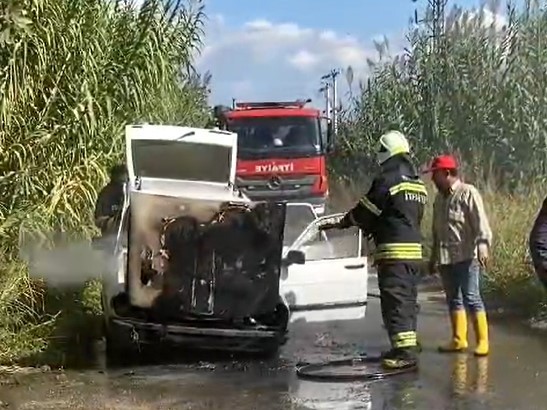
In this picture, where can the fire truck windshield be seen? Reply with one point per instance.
(286, 137)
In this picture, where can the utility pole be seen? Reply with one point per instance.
(331, 83)
(334, 74)
(325, 89)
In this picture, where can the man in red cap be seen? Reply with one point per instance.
(461, 243)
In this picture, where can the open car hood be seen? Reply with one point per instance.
(195, 246)
(174, 160)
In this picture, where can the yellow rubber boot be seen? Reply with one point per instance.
(458, 319)
(480, 323)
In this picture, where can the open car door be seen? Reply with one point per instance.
(298, 218)
(330, 281)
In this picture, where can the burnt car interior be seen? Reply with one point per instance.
(225, 270)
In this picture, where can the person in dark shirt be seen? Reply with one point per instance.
(110, 201)
(538, 244)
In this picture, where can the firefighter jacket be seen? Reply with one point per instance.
(392, 210)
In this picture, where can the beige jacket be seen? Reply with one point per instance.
(460, 225)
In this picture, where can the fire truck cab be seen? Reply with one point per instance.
(282, 149)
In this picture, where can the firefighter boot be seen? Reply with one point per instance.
(399, 358)
(458, 320)
(418, 349)
(480, 323)
(403, 352)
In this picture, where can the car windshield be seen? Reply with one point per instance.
(181, 160)
(280, 136)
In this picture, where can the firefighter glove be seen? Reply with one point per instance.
(343, 223)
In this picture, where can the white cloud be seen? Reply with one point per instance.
(263, 59)
(304, 60)
(267, 60)
(493, 19)
(489, 18)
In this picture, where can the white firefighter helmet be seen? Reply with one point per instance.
(392, 143)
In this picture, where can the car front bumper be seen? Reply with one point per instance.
(199, 338)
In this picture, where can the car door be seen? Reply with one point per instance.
(331, 284)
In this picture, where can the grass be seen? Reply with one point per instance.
(511, 280)
(73, 74)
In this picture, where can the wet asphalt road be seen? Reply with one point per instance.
(513, 377)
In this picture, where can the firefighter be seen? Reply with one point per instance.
(391, 213)
(110, 201)
(538, 244)
(461, 246)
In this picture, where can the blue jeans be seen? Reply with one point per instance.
(461, 282)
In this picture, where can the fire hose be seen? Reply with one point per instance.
(358, 368)
(352, 369)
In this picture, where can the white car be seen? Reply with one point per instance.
(198, 264)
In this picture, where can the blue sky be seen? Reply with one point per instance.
(257, 49)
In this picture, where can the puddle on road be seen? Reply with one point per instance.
(172, 387)
(460, 381)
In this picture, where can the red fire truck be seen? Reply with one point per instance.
(282, 149)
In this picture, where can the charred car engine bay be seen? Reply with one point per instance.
(224, 270)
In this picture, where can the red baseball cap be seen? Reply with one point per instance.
(442, 162)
